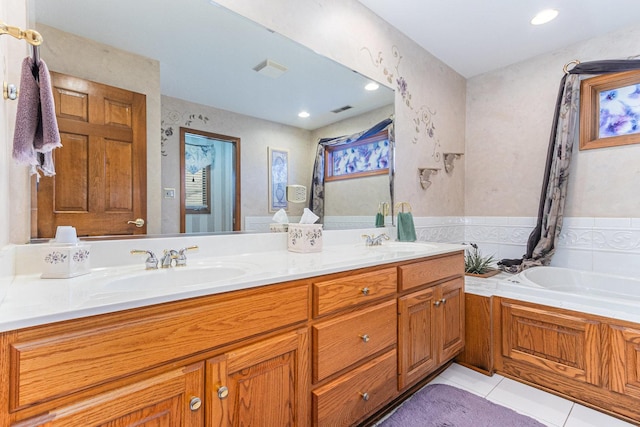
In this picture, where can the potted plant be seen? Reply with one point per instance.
(477, 265)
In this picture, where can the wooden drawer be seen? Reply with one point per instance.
(333, 295)
(343, 401)
(431, 270)
(343, 341)
(54, 361)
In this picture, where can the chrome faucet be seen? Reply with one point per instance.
(180, 256)
(151, 263)
(181, 260)
(374, 241)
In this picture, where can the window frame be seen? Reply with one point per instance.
(329, 152)
(206, 209)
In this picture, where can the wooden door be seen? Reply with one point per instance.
(260, 385)
(416, 336)
(101, 178)
(167, 400)
(451, 316)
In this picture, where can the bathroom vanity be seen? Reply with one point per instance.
(323, 350)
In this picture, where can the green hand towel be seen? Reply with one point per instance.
(406, 229)
(379, 220)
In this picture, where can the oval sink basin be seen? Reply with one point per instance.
(173, 278)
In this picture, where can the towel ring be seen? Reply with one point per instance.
(401, 205)
(566, 66)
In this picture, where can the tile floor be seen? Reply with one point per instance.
(549, 409)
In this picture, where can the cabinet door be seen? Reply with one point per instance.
(416, 336)
(451, 316)
(625, 360)
(263, 384)
(563, 344)
(170, 399)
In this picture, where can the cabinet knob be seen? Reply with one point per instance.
(223, 392)
(437, 303)
(365, 291)
(365, 396)
(195, 403)
(365, 338)
(443, 300)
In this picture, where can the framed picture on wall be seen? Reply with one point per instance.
(278, 178)
(610, 110)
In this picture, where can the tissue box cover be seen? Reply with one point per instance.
(305, 238)
(64, 261)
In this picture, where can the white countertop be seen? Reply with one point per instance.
(31, 301)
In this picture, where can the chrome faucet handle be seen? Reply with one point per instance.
(181, 259)
(168, 257)
(151, 263)
(368, 239)
(377, 241)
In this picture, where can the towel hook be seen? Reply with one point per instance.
(401, 205)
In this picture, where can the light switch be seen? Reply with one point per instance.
(169, 193)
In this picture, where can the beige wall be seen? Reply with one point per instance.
(509, 114)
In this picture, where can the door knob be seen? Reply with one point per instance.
(139, 222)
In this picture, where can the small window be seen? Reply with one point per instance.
(363, 158)
(197, 190)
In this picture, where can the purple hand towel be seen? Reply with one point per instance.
(36, 133)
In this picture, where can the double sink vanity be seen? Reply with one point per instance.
(247, 333)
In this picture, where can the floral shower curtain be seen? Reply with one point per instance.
(564, 131)
(316, 199)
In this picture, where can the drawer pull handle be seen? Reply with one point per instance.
(365, 291)
(195, 403)
(365, 396)
(365, 338)
(223, 392)
(437, 303)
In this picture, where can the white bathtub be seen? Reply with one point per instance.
(602, 294)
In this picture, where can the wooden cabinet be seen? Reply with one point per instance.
(567, 345)
(625, 360)
(353, 396)
(478, 331)
(264, 384)
(431, 329)
(173, 398)
(321, 351)
(591, 359)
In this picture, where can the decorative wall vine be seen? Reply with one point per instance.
(423, 116)
(173, 119)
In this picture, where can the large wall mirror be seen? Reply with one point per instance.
(205, 68)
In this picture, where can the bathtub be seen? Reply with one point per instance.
(601, 294)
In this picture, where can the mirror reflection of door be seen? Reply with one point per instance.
(209, 182)
(100, 186)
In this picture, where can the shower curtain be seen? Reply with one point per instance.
(316, 199)
(564, 131)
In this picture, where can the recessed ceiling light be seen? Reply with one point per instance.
(303, 114)
(544, 16)
(372, 86)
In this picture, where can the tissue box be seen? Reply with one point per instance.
(305, 238)
(64, 261)
(278, 228)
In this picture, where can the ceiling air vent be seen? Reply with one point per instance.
(341, 109)
(270, 68)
